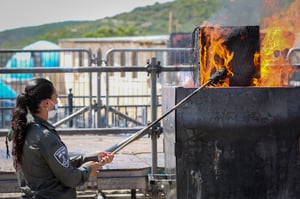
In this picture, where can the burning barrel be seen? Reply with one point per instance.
(238, 141)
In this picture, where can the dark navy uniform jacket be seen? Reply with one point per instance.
(47, 167)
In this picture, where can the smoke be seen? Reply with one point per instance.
(239, 13)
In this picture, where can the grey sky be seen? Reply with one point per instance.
(22, 13)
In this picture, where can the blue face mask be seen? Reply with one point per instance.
(52, 112)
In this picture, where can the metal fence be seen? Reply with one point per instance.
(41, 63)
(95, 92)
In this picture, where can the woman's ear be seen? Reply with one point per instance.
(44, 103)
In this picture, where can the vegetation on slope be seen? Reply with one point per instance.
(157, 19)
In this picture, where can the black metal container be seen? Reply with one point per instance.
(233, 143)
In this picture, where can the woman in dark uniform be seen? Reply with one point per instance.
(39, 152)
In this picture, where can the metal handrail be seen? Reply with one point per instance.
(88, 131)
(162, 69)
(70, 117)
(91, 69)
(143, 50)
(45, 50)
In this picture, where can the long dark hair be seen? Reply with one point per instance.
(37, 90)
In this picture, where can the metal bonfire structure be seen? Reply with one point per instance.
(238, 141)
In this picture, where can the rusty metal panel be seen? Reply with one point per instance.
(238, 143)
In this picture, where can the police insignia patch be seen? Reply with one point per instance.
(62, 157)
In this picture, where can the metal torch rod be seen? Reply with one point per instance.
(219, 75)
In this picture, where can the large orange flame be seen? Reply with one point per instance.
(278, 35)
(217, 55)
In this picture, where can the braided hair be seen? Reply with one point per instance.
(27, 103)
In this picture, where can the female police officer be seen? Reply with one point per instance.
(38, 150)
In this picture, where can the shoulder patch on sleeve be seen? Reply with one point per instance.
(62, 157)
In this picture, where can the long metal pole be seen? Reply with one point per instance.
(87, 69)
(99, 102)
(153, 118)
(219, 75)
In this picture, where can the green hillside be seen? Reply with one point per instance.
(149, 20)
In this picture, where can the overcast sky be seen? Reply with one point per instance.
(22, 13)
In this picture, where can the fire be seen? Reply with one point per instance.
(277, 36)
(217, 53)
(275, 68)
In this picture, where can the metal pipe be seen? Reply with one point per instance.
(46, 50)
(125, 116)
(70, 105)
(90, 100)
(99, 101)
(153, 74)
(144, 50)
(153, 112)
(218, 76)
(70, 117)
(87, 131)
(91, 69)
